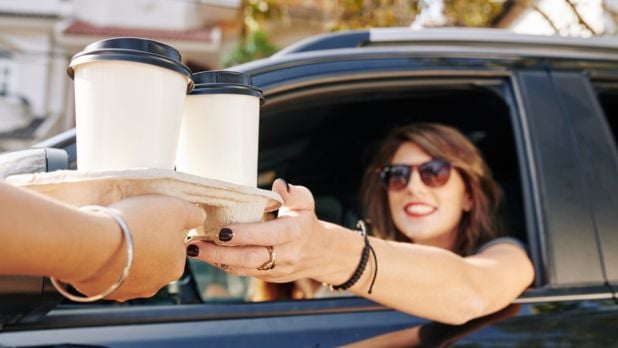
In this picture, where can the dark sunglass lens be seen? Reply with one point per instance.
(395, 177)
(435, 173)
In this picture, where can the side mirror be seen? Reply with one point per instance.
(33, 161)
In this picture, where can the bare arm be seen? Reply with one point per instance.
(425, 281)
(44, 237)
(437, 284)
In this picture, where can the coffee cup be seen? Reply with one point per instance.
(129, 100)
(220, 128)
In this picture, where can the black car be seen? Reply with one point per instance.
(544, 112)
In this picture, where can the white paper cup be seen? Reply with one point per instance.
(220, 128)
(129, 100)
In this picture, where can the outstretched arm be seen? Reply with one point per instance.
(421, 280)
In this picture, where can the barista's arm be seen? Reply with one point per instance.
(43, 237)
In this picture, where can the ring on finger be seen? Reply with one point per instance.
(222, 266)
(270, 264)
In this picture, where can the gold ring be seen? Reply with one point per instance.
(222, 266)
(270, 264)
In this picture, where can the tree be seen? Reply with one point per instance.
(419, 13)
(255, 46)
(350, 14)
(359, 14)
(565, 26)
(254, 43)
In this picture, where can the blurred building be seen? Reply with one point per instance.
(39, 37)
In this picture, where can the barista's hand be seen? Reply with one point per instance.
(301, 243)
(158, 225)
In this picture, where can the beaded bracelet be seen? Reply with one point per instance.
(127, 267)
(362, 229)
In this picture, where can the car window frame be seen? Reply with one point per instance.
(564, 255)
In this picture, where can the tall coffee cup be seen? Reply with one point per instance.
(129, 100)
(220, 128)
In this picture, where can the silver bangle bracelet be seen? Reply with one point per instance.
(127, 267)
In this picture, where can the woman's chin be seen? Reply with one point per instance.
(418, 235)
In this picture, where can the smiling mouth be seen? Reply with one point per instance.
(419, 210)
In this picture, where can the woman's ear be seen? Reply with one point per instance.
(468, 202)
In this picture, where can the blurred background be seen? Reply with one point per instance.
(39, 37)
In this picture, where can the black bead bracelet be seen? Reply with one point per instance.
(362, 229)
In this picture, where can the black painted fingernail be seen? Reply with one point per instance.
(226, 235)
(287, 186)
(193, 250)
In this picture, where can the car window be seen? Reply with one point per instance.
(215, 285)
(325, 140)
(608, 97)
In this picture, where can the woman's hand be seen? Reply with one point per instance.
(158, 225)
(301, 243)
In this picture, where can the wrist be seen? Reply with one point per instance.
(89, 287)
(101, 248)
(362, 264)
(342, 255)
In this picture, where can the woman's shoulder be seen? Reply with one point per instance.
(501, 240)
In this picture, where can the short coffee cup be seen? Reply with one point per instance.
(129, 100)
(220, 128)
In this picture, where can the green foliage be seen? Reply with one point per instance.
(359, 14)
(255, 46)
(262, 10)
(352, 14)
(471, 13)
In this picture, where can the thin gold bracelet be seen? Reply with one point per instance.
(127, 267)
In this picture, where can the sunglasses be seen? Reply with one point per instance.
(433, 173)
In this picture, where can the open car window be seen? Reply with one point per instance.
(607, 93)
(324, 138)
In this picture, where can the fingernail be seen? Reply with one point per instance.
(193, 250)
(287, 186)
(226, 235)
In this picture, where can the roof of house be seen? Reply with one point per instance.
(78, 27)
(29, 14)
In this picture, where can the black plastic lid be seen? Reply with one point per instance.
(224, 82)
(132, 49)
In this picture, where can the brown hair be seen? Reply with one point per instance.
(477, 226)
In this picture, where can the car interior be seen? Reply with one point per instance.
(608, 98)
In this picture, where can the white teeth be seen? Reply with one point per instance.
(419, 209)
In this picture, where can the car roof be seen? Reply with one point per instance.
(405, 36)
(444, 42)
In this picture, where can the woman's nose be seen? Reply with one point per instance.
(415, 184)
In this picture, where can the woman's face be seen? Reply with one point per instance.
(427, 215)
